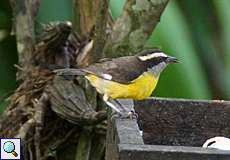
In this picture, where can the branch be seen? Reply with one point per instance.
(76, 16)
(24, 13)
(87, 14)
(25, 129)
(133, 28)
(93, 20)
(39, 116)
(100, 31)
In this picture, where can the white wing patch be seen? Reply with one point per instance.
(107, 76)
(153, 55)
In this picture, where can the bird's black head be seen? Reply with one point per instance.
(155, 59)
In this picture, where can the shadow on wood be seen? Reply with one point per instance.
(172, 129)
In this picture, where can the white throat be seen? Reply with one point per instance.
(156, 70)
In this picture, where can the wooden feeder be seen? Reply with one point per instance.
(173, 129)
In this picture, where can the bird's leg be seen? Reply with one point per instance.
(122, 112)
(132, 114)
(106, 100)
(129, 109)
(120, 105)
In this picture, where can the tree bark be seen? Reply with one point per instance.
(133, 28)
(94, 15)
(24, 12)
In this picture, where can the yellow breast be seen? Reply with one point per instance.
(139, 88)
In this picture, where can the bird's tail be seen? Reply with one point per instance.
(69, 72)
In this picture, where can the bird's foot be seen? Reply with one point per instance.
(124, 115)
(132, 114)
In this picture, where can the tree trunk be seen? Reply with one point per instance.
(63, 117)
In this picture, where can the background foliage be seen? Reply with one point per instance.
(197, 32)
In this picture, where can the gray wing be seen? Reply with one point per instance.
(122, 70)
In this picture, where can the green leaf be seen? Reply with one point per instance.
(5, 15)
(223, 13)
(8, 57)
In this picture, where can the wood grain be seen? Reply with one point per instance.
(182, 122)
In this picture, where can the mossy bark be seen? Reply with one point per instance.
(133, 28)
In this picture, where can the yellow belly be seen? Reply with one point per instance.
(139, 88)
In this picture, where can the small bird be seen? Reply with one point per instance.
(221, 143)
(125, 77)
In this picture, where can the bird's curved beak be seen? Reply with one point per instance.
(171, 59)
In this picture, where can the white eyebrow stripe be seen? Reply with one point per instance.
(150, 56)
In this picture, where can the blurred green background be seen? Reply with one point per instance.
(196, 32)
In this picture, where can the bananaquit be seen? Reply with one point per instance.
(132, 77)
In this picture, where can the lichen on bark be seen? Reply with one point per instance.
(133, 28)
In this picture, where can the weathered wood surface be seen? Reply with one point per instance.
(158, 152)
(121, 131)
(184, 119)
(182, 122)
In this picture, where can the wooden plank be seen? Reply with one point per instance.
(127, 132)
(158, 152)
(182, 122)
(111, 152)
(172, 124)
(121, 131)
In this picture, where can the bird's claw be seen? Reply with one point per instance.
(132, 114)
(124, 115)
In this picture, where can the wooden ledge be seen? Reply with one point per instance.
(172, 129)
